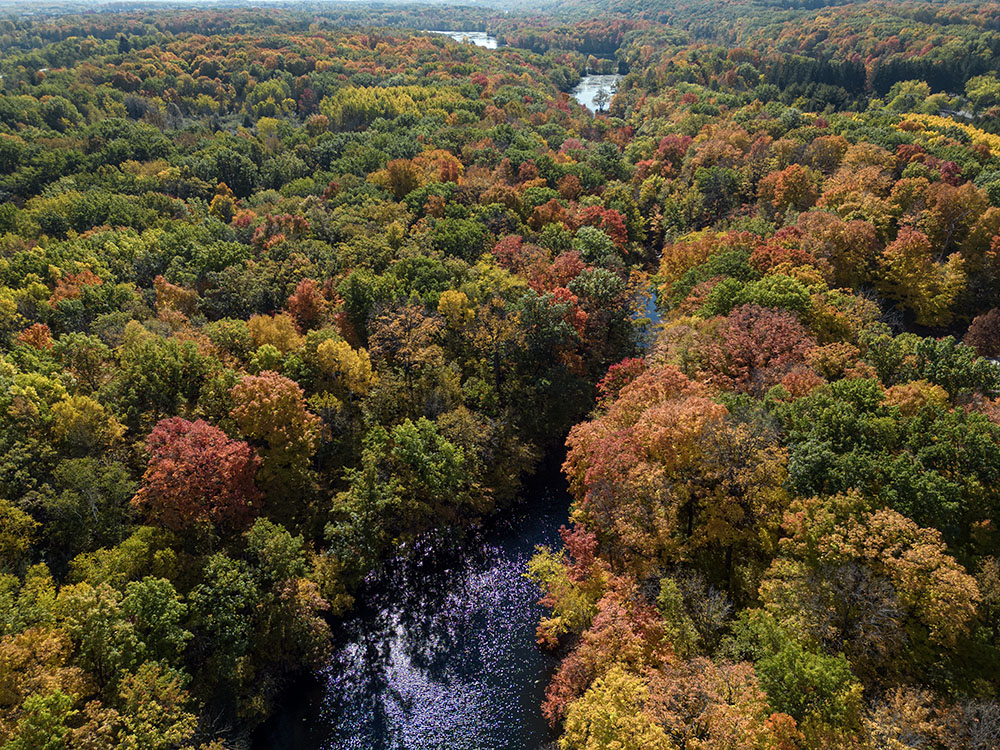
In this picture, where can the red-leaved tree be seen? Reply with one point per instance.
(197, 474)
(754, 348)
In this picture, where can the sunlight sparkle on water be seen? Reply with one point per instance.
(459, 672)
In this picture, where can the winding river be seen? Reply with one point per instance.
(440, 653)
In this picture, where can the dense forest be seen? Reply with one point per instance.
(285, 290)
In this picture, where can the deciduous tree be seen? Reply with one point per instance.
(197, 474)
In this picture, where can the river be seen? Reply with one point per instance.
(478, 38)
(589, 85)
(585, 91)
(440, 652)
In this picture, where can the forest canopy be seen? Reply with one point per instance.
(283, 291)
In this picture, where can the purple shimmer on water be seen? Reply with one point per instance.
(442, 654)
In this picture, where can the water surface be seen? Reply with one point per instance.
(440, 653)
(589, 85)
(478, 38)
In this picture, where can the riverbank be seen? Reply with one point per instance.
(440, 651)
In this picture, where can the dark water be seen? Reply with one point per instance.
(650, 311)
(441, 655)
(647, 313)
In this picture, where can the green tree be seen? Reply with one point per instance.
(156, 611)
(154, 710)
(44, 722)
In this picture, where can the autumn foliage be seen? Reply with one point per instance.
(285, 295)
(197, 474)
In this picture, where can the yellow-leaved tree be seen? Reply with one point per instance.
(910, 274)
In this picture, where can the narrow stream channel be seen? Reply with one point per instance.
(440, 653)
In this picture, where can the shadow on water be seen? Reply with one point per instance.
(586, 91)
(440, 653)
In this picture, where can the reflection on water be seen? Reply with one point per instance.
(589, 85)
(646, 307)
(648, 314)
(442, 654)
(478, 38)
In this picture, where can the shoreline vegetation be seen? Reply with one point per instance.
(282, 290)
